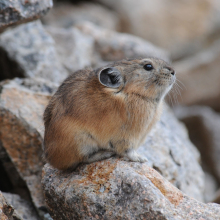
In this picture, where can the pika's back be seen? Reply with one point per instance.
(72, 90)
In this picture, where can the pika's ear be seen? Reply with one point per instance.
(110, 77)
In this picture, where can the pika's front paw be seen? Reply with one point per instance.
(132, 155)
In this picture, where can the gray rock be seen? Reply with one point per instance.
(115, 189)
(24, 208)
(7, 211)
(204, 130)
(66, 15)
(32, 49)
(20, 11)
(37, 85)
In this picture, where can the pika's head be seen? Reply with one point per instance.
(150, 78)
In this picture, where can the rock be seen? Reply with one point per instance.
(200, 75)
(21, 131)
(7, 212)
(22, 207)
(66, 15)
(204, 131)
(181, 27)
(37, 85)
(33, 51)
(114, 189)
(71, 53)
(112, 46)
(20, 11)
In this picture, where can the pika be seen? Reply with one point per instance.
(96, 114)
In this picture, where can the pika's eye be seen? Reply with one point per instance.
(148, 67)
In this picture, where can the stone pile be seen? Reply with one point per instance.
(36, 57)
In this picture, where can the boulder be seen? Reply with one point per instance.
(7, 211)
(115, 189)
(181, 27)
(29, 51)
(66, 15)
(204, 130)
(19, 11)
(21, 131)
(200, 78)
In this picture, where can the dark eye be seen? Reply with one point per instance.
(148, 67)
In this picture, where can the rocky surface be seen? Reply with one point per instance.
(66, 15)
(181, 27)
(83, 35)
(29, 51)
(24, 208)
(7, 212)
(20, 11)
(204, 127)
(114, 189)
(21, 132)
(201, 78)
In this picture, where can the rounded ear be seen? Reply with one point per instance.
(110, 77)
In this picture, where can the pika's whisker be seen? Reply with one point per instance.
(181, 84)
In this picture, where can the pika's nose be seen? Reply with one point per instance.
(171, 70)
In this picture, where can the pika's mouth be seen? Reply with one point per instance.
(165, 81)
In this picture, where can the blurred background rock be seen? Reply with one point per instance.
(36, 56)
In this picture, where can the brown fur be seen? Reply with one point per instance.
(84, 116)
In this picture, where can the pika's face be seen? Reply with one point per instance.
(151, 78)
